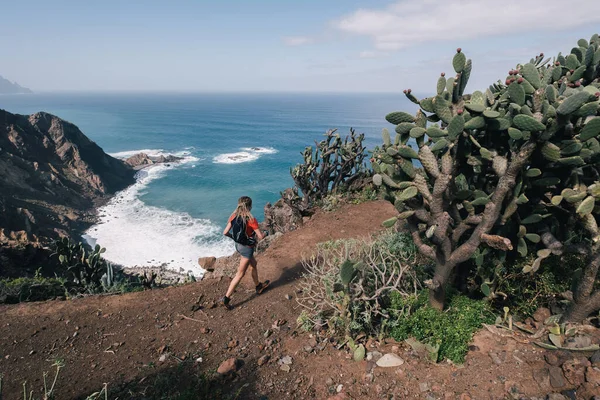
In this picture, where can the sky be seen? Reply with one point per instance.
(278, 45)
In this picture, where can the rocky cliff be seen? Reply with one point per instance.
(51, 178)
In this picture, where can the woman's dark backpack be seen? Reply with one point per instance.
(238, 232)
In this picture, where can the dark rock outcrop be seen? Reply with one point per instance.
(142, 160)
(280, 216)
(51, 178)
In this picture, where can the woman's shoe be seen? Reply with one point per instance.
(262, 286)
(225, 301)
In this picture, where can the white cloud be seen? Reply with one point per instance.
(409, 22)
(297, 40)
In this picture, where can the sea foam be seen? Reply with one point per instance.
(137, 235)
(245, 155)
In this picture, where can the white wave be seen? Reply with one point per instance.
(260, 150)
(129, 153)
(247, 154)
(135, 234)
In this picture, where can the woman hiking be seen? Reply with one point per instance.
(242, 227)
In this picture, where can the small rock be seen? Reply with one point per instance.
(232, 343)
(465, 396)
(541, 314)
(288, 297)
(374, 356)
(395, 349)
(279, 323)
(228, 366)
(287, 360)
(495, 358)
(390, 360)
(263, 360)
(308, 349)
(204, 330)
(329, 382)
(267, 333)
(592, 375)
(339, 388)
(424, 386)
(285, 368)
(313, 342)
(570, 394)
(551, 359)
(595, 359)
(199, 360)
(555, 396)
(578, 342)
(557, 380)
(542, 377)
(207, 263)
(574, 371)
(162, 358)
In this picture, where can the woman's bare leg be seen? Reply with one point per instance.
(254, 271)
(244, 262)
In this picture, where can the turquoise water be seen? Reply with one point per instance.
(232, 144)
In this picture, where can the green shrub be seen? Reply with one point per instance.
(451, 329)
(526, 292)
(37, 288)
(347, 284)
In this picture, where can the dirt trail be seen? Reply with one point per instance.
(116, 339)
(136, 337)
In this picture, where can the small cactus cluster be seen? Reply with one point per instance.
(87, 268)
(333, 164)
(507, 168)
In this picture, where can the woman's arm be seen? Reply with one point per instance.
(227, 229)
(260, 235)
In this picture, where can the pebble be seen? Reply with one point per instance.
(228, 366)
(263, 360)
(285, 368)
(288, 297)
(339, 388)
(162, 358)
(286, 360)
(374, 355)
(329, 382)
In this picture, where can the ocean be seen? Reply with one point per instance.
(232, 145)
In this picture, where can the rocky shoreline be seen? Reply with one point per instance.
(53, 179)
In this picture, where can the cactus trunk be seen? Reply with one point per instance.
(585, 301)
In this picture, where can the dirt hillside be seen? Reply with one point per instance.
(135, 338)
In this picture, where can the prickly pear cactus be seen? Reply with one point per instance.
(335, 163)
(347, 272)
(505, 168)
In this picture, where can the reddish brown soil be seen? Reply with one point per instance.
(120, 339)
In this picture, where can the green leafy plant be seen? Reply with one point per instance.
(448, 331)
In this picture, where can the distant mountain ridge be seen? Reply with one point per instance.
(8, 87)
